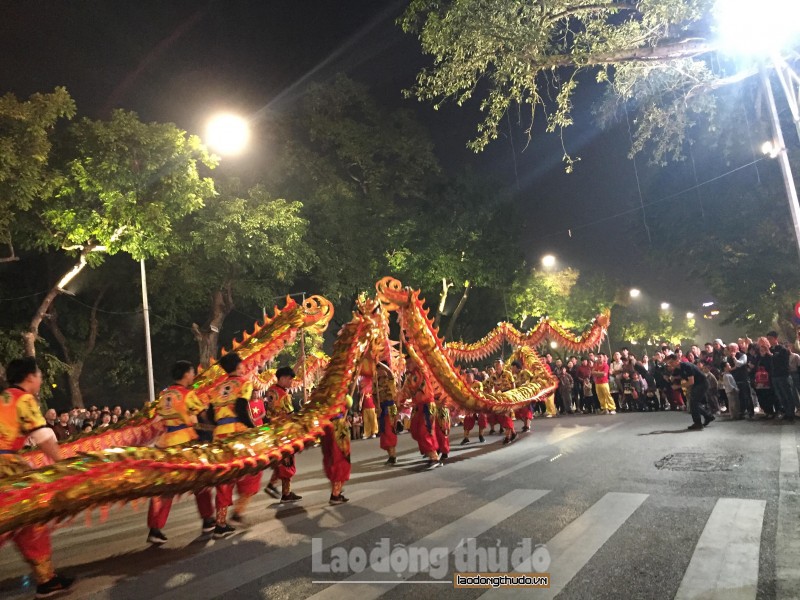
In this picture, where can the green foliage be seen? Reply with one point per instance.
(566, 296)
(244, 242)
(645, 325)
(509, 53)
(26, 173)
(127, 183)
(462, 231)
(358, 169)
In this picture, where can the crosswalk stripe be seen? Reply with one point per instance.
(574, 546)
(724, 565)
(521, 465)
(371, 584)
(787, 538)
(251, 570)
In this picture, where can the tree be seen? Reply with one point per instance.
(244, 246)
(462, 233)
(358, 169)
(25, 144)
(567, 296)
(125, 183)
(535, 54)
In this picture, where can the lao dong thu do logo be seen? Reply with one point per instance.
(468, 557)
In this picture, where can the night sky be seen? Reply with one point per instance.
(180, 61)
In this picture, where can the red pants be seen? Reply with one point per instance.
(442, 440)
(34, 545)
(470, 419)
(492, 420)
(334, 461)
(675, 398)
(426, 440)
(285, 469)
(160, 506)
(388, 436)
(246, 486)
(523, 414)
(505, 422)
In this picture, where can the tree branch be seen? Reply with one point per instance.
(12, 257)
(590, 8)
(677, 49)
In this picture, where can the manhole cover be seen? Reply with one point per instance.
(699, 461)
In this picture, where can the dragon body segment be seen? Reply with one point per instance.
(122, 474)
(256, 348)
(426, 350)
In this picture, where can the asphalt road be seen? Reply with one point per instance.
(626, 506)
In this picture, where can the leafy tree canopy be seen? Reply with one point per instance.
(532, 54)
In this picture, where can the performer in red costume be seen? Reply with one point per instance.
(422, 416)
(279, 401)
(387, 428)
(521, 377)
(336, 455)
(474, 417)
(20, 418)
(502, 381)
(178, 406)
(443, 430)
(230, 408)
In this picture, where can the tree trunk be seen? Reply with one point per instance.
(30, 336)
(76, 363)
(74, 379)
(449, 333)
(207, 336)
(442, 301)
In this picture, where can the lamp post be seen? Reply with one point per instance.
(761, 34)
(227, 134)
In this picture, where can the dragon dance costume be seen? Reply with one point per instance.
(336, 456)
(19, 417)
(178, 406)
(442, 430)
(422, 415)
(524, 414)
(503, 381)
(279, 401)
(471, 418)
(230, 402)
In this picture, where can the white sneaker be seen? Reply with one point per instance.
(613, 412)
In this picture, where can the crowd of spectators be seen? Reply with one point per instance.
(746, 379)
(83, 420)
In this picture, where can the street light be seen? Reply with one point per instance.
(635, 293)
(228, 134)
(762, 33)
(548, 261)
(690, 315)
(665, 306)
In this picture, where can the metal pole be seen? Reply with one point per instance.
(146, 310)
(303, 356)
(783, 158)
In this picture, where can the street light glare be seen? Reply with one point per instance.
(635, 293)
(690, 315)
(665, 306)
(746, 29)
(553, 345)
(227, 134)
(548, 261)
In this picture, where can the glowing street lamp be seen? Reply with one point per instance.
(690, 315)
(548, 261)
(763, 33)
(227, 134)
(665, 306)
(635, 293)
